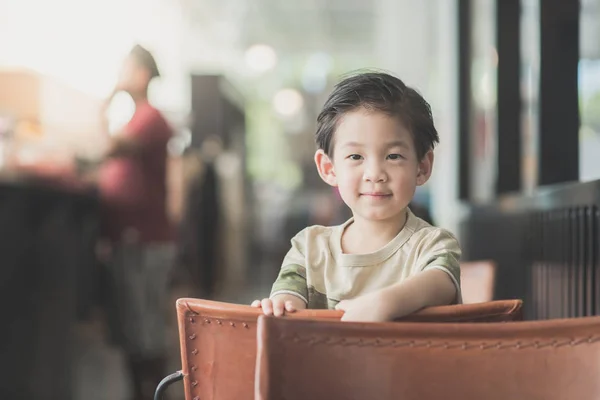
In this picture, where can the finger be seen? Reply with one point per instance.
(255, 303)
(289, 306)
(267, 306)
(278, 308)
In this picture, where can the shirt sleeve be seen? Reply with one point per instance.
(440, 250)
(292, 276)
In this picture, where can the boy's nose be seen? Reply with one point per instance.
(375, 173)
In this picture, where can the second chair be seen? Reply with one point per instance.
(539, 360)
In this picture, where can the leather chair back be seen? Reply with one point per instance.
(534, 360)
(218, 340)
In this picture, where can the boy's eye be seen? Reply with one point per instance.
(395, 157)
(355, 157)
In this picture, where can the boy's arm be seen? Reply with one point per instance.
(291, 285)
(290, 291)
(429, 288)
(437, 283)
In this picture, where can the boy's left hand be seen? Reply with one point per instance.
(370, 307)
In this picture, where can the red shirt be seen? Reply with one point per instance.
(133, 188)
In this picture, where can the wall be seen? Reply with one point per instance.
(418, 42)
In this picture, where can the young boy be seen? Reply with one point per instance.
(375, 140)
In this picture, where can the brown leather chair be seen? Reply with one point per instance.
(218, 341)
(540, 360)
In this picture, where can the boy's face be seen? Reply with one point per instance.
(374, 165)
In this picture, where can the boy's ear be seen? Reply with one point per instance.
(325, 168)
(424, 169)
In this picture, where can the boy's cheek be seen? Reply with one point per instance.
(347, 182)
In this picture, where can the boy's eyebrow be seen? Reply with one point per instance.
(395, 143)
(352, 144)
(399, 143)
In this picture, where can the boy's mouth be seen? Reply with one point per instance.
(376, 194)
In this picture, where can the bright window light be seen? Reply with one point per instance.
(261, 58)
(288, 102)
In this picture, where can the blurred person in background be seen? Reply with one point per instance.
(138, 247)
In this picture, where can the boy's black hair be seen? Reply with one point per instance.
(145, 59)
(377, 91)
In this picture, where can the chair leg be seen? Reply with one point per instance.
(166, 382)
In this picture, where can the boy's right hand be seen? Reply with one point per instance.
(276, 306)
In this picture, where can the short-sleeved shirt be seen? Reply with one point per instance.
(133, 189)
(318, 272)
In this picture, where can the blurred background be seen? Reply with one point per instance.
(514, 87)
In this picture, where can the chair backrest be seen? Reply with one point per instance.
(477, 280)
(218, 340)
(537, 360)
